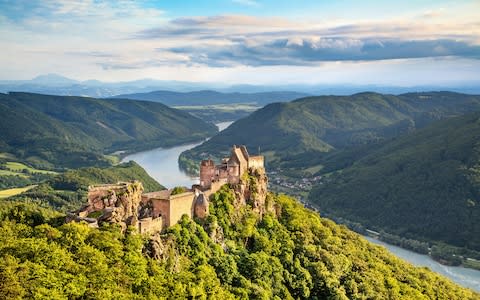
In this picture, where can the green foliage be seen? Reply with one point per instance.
(178, 190)
(299, 134)
(69, 132)
(67, 191)
(420, 186)
(83, 177)
(295, 255)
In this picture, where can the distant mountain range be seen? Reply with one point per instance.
(207, 97)
(54, 84)
(59, 131)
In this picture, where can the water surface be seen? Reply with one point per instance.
(162, 163)
(464, 276)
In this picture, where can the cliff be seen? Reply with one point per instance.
(113, 203)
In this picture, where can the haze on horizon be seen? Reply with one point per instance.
(244, 41)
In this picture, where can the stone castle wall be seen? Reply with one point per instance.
(179, 205)
(150, 225)
(256, 162)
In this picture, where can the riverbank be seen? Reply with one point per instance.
(444, 254)
(467, 277)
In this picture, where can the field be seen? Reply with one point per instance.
(15, 191)
(16, 167)
(220, 112)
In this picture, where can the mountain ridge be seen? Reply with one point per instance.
(45, 129)
(322, 123)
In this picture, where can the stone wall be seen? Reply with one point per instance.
(150, 225)
(179, 205)
(256, 162)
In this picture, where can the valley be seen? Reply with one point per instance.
(240, 149)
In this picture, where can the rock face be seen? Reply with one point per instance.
(252, 190)
(114, 203)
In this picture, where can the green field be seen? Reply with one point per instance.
(11, 173)
(15, 191)
(16, 167)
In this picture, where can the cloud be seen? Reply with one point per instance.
(310, 51)
(223, 41)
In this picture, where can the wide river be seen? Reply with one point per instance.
(162, 165)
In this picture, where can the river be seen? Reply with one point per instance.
(162, 165)
(463, 276)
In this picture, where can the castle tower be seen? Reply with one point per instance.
(201, 206)
(207, 173)
(240, 157)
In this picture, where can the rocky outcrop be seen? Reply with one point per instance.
(114, 203)
(252, 190)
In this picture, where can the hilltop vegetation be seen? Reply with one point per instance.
(422, 185)
(51, 132)
(289, 254)
(67, 191)
(300, 133)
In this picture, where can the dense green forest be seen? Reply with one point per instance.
(300, 133)
(52, 132)
(422, 185)
(289, 253)
(67, 191)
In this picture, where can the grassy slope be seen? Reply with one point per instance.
(59, 131)
(425, 184)
(15, 191)
(315, 125)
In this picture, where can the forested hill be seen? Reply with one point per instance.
(60, 131)
(68, 191)
(288, 253)
(212, 97)
(423, 185)
(314, 125)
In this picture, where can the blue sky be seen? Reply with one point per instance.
(403, 43)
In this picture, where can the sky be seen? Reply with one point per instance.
(403, 43)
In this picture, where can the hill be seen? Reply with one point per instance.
(424, 185)
(206, 97)
(288, 253)
(67, 191)
(299, 133)
(67, 132)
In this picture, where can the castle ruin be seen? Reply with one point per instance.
(126, 204)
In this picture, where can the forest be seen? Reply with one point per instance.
(59, 132)
(288, 253)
